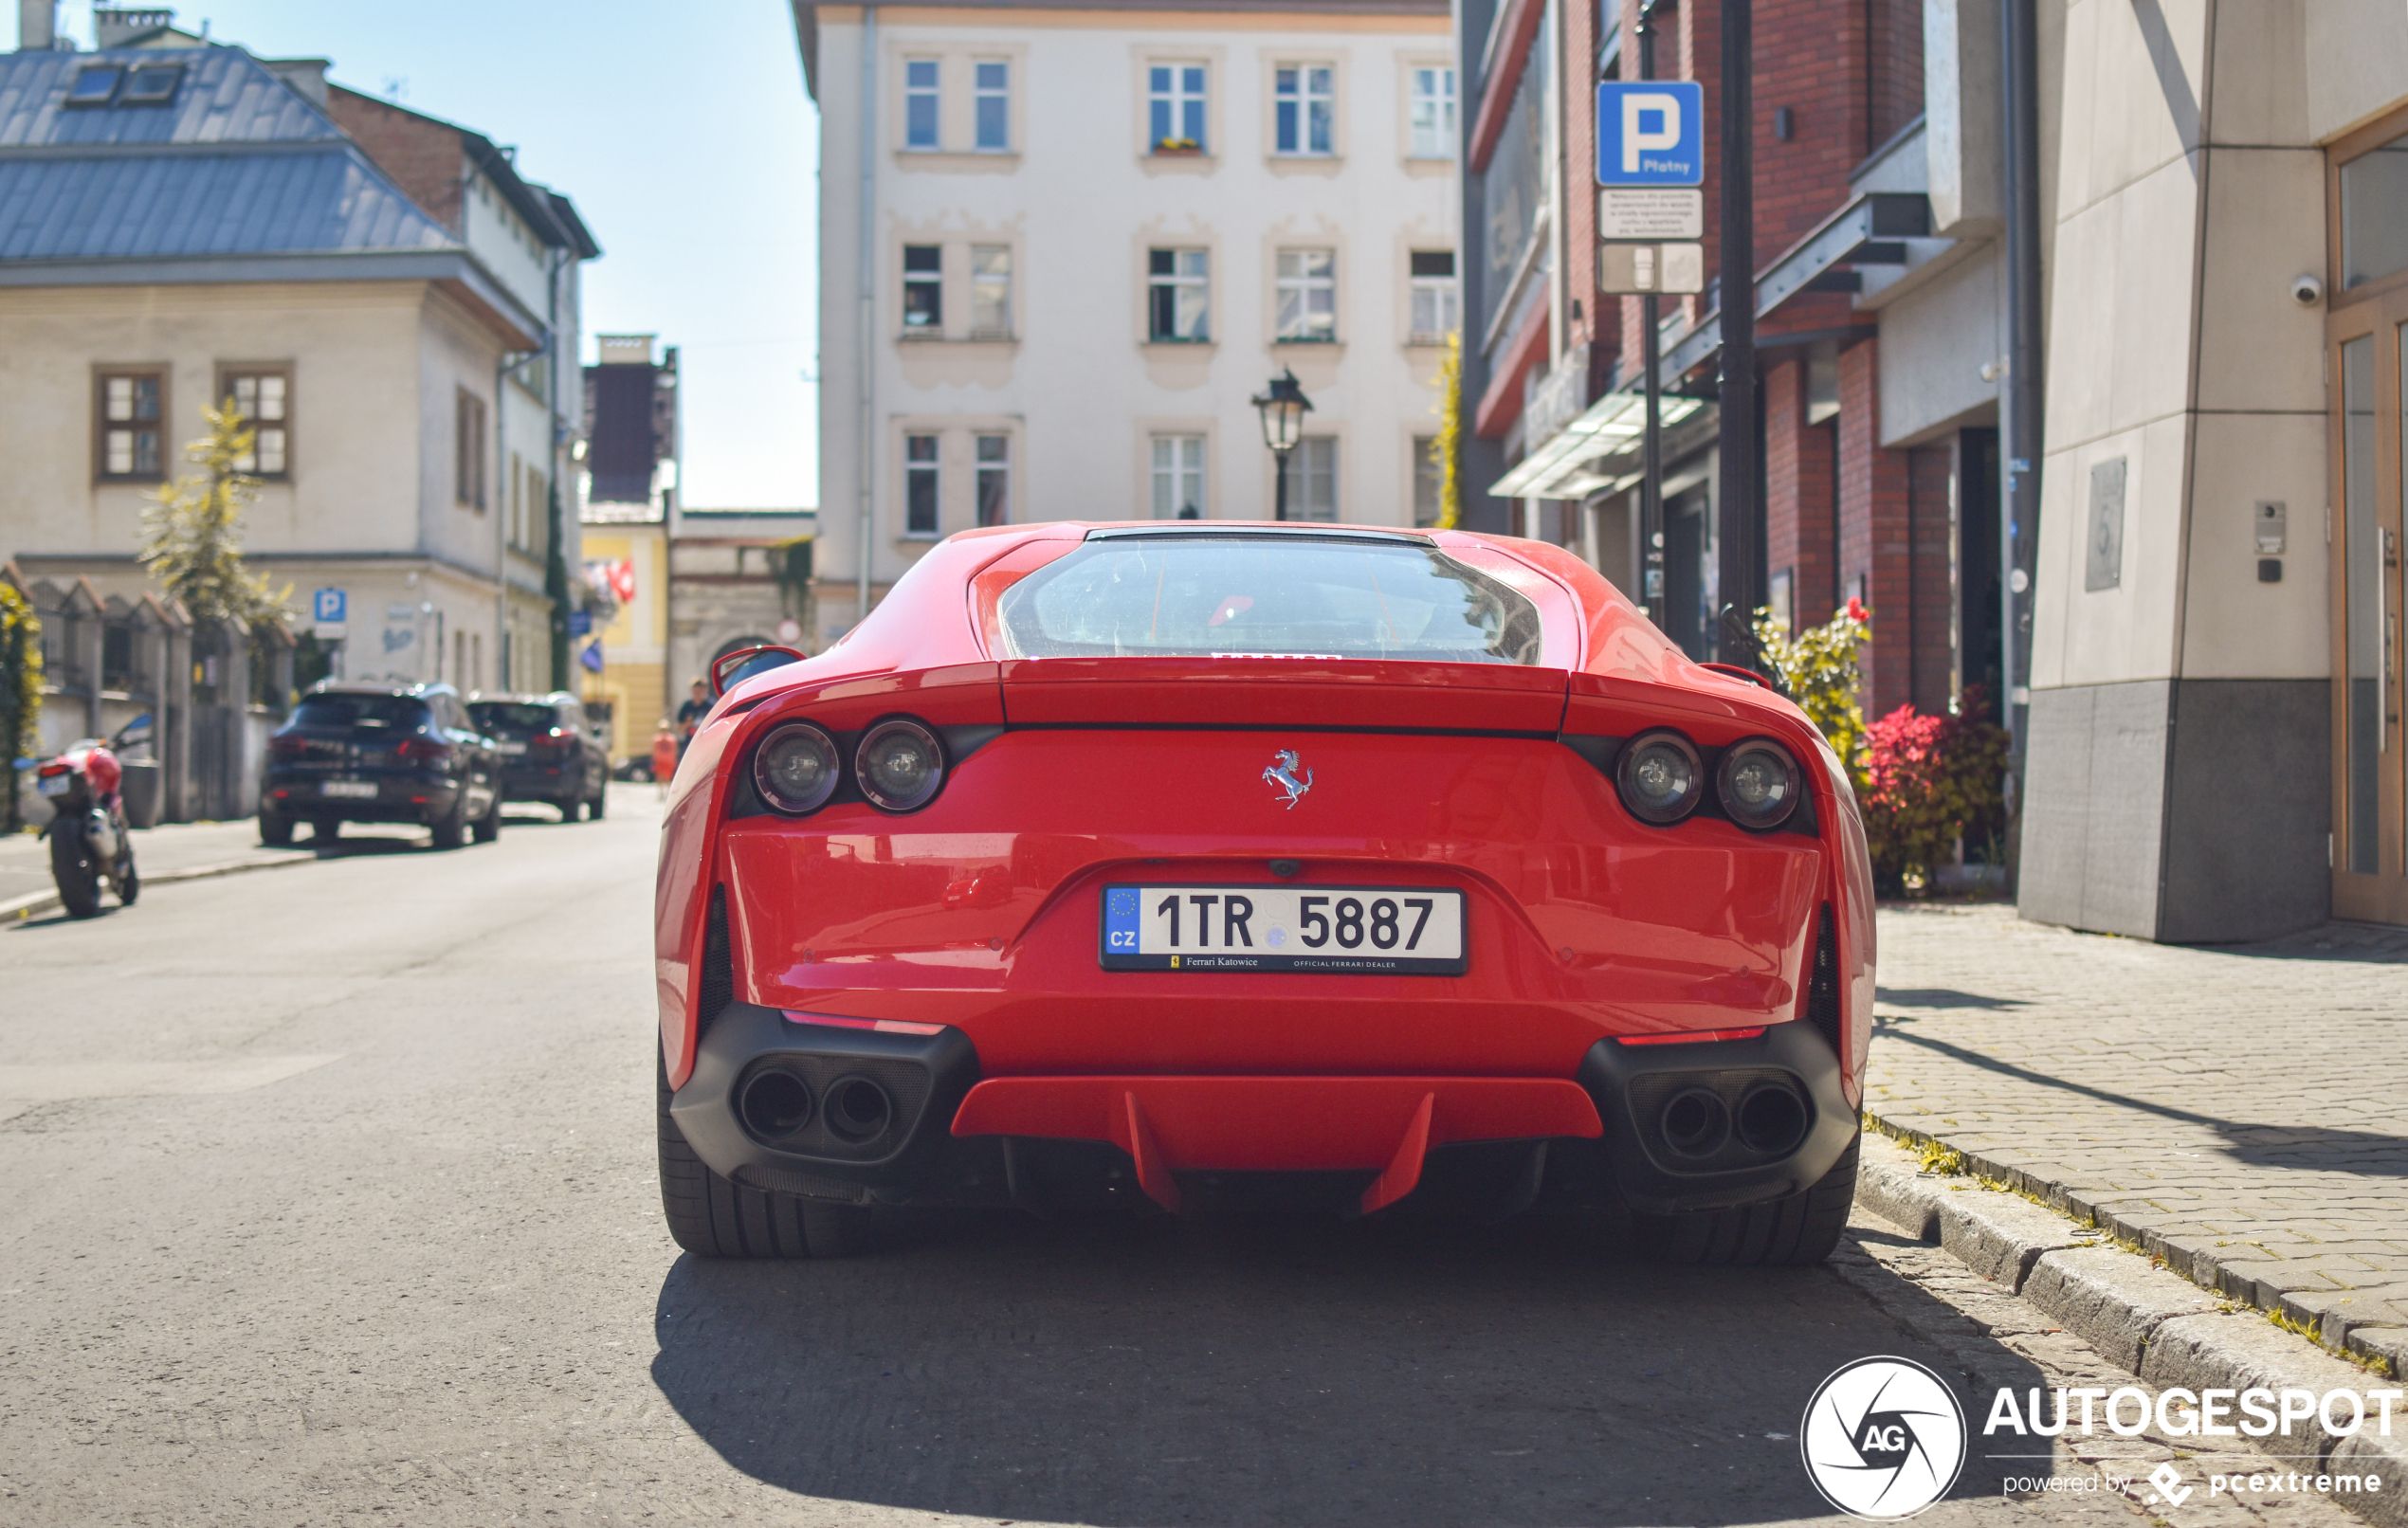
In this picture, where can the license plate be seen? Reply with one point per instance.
(1358, 930)
(55, 784)
(355, 790)
(510, 750)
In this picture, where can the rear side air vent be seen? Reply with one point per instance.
(718, 967)
(1823, 985)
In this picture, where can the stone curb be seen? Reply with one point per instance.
(38, 903)
(2165, 1329)
(2322, 1317)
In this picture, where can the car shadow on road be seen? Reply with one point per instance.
(1245, 1371)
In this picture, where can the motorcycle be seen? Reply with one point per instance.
(91, 843)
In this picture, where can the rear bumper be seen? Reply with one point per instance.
(399, 798)
(782, 1105)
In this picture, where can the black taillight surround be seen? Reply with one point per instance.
(1605, 753)
(746, 799)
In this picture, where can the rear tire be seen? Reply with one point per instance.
(1796, 1229)
(77, 873)
(128, 885)
(601, 799)
(489, 826)
(567, 807)
(274, 830)
(715, 1217)
(451, 829)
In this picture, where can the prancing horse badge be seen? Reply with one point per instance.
(1283, 775)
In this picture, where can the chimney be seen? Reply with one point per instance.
(307, 76)
(117, 26)
(37, 25)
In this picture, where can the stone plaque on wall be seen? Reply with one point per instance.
(2102, 567)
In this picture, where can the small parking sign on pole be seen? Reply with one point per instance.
(1651, 132)
(329, 608)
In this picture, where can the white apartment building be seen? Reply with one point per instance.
(1063, 248)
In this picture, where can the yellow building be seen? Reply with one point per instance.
(632, 684)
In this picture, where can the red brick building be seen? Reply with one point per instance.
(1879, 466)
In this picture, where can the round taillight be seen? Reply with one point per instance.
(1660, 778)
(797, 768)
(1758, 783)
(900, 764)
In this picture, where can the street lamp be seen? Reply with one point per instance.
(1282, 406)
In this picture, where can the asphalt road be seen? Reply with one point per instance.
(327, 1196)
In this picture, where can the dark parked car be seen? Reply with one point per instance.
(388, 751)
(548, 751)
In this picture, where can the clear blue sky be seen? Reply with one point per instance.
(684, 134)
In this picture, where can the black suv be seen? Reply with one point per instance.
(395, 751)
(548, 752)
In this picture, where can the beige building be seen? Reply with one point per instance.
(2216, 748)
(396, 311)
(1061, 249)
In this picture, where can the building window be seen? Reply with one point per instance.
(1305, 97)
(1434, 114)
(1425, 480)
(2374, 214)
(1179, 477)
(989, 291)
(993, 80)
(1174, 108)
(1176, 289)
(469, 451)
(129, 409)
(1312, 478)
(923, 290)
(1433, 274)
(920, 485)
(1309, 294)
(995, 479)
(265, 400)
(920, 103)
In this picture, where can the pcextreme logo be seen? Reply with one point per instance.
(1883, 1439)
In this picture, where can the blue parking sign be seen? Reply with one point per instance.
(1651, 132)
(327, 606)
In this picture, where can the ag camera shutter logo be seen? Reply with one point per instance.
(1651, 132)
(1883, 1439)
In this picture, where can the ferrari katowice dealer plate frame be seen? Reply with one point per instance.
(1342, 931)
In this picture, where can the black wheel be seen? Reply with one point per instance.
(715, 1217)
(593, 807)
(274, 830)
(325, 829)
(567, 807)
(77, 875)
(451, 829)
(489, 826)
(1789, 1231)
(129, 882)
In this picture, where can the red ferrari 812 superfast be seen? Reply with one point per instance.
(1182, 865)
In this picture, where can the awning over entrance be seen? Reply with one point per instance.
(1565, 465)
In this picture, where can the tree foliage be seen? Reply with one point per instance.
(1447, 451)
(192, 535)
(1820, 669)
(20, 692)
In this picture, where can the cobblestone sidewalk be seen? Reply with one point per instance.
(2240, 1112)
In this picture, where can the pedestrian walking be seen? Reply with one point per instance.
(690, 714)
(666, 750)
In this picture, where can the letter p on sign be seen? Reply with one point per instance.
(1638, 108)
(1651, 132)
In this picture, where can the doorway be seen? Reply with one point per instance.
(2367, 182)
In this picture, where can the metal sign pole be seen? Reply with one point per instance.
(1650, 347)
(1737, 471)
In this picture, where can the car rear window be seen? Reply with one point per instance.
(1220, 594)
(509, 718)
(399, 712)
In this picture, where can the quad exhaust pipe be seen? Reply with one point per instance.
(1771, 1120)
